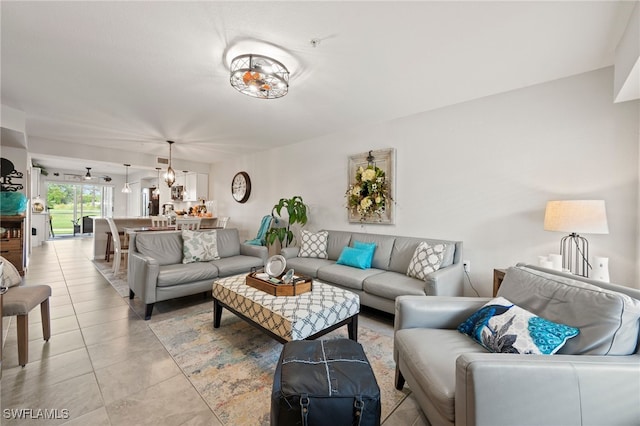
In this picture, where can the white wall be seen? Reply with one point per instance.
(480, 172)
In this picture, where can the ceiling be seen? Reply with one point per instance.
(130, 75)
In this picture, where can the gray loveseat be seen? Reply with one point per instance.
(594, 379)
(156, 271)
(379, 285)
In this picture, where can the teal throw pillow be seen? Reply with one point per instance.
(369, 247)
(354, 257)
(500, 326)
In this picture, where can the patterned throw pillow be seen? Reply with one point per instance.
(500, 326)
(10, 275)
(199, 246)
(426, 259)
(313, 244)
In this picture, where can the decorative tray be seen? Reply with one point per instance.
(303, 284)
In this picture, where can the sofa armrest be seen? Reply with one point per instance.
(289, 252)
(435, 311)
(504, 389)
(256, 251)
(142, 276)
(447, 281)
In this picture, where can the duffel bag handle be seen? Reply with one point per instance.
(358, 404)
(304, 409)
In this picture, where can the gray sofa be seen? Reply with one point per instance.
(594, 379)
(156, 271)
(379, 285)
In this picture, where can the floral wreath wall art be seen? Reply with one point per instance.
(370, 191)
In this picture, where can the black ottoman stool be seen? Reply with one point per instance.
(324, 382)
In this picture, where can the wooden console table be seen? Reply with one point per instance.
(12, 241)
(498, 276)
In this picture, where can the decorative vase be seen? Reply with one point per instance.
(600, 270)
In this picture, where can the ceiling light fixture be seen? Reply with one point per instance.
(126, 189)
(156, 190)
(259, 76)
(88, 175)
(170, 176)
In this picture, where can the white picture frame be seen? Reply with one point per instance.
(385, 159)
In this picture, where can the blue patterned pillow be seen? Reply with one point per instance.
(368, 247)
(501, 326)
(354, 257)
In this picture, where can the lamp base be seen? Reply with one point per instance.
(575, 254)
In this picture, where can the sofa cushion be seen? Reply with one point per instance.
(500, 326)
(236, 264)
(384, 245)
(425, 260)
(355, 258)
(228, 242)
(165, 247)
(608, 320)
(180, 273)
(308, 266)
(346, 276)
(199, 246)
(335, 242)
(431, 356)
(313, 244)
(392, 284)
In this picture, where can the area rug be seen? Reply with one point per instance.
(232, 367)
(118, 282)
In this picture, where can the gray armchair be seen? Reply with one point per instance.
(593, 380)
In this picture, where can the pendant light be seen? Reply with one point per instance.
(156, 191)
(184, 185)
(125, 188)
(170, 176)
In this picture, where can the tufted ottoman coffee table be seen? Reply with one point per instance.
(286, 318)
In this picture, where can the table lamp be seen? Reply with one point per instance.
(576, 217)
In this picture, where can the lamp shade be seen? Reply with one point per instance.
(576, 216)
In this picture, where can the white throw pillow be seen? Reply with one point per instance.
(199, 246)
(10, 275)
(426, 259)
(313, 244)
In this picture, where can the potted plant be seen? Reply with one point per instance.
(297, 212)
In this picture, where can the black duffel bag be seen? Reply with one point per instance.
(324, 382)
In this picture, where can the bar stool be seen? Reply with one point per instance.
(19, 301)
(108, 252)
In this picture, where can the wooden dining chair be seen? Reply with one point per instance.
(157, 221)
(191, 223)
(222, 221)
(18, 300)
(119, 249)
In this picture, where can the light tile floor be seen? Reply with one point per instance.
(103, 365)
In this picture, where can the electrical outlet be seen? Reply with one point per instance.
(467, 266)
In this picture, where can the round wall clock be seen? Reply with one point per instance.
(241, 187)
